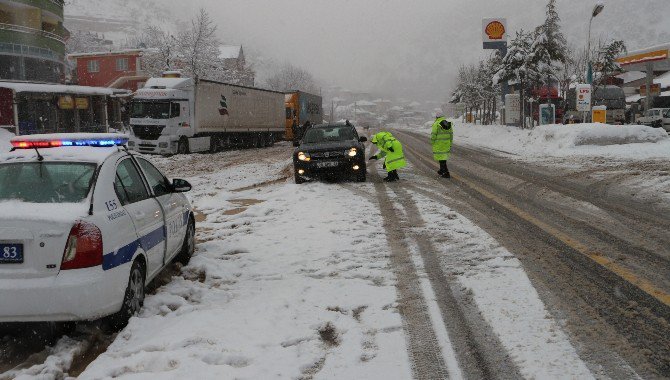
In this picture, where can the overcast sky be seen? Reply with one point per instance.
(410, 47)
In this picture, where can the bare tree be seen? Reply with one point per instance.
(199, 47)
(160, 50)
(289, 77)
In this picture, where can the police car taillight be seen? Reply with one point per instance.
(83, 248)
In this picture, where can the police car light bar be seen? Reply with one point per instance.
(63, 140)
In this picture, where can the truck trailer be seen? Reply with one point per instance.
(175, 115)
(301, 107)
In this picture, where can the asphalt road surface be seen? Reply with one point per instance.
(601, 263)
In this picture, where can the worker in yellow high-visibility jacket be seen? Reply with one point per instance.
(390, 149)
(441, 138)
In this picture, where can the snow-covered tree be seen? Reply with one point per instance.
(160, 52)
(519, 66)
(199, 47)
(605, 62)
(549, 49)
(289, 77)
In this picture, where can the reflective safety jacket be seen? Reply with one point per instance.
(390, 149)
(441, 139)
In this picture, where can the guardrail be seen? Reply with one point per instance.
(25, 29)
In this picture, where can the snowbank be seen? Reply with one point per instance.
(621, 141)
(5, 136)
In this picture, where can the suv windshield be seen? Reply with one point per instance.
(150, 110)
(319, 135)
(46, 182)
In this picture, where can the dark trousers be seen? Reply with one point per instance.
(443, 167)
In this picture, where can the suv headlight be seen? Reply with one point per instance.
(302, 156)
(352, 152)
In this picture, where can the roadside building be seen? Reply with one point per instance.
(32, 40)
(29, 108)
(115, 69)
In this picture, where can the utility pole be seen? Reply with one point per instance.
(332, 111)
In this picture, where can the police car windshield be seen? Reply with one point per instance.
(320, 135)
(46, 182)
(150, 110)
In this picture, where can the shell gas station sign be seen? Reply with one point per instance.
(494, 31)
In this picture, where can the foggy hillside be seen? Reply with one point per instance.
(394, 46)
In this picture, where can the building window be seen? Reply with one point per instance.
(93, 66)
(122, 64)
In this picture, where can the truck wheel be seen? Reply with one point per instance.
(182, 146)
(271, 140)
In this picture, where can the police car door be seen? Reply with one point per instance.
(174, 207)
(145, 212)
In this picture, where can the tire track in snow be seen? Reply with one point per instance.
(424, 350)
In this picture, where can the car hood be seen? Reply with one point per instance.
(329, 146)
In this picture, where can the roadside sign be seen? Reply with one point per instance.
(583, 97)
(494, 30)
(66, 102)
(512, 109)
(599, 114)
(547, 114)
(655, 90)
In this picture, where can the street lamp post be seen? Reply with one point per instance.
(596, 11)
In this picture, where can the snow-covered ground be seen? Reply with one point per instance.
(288, 281)
(632, 142)
(635, 157)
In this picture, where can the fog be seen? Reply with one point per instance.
(409, 48)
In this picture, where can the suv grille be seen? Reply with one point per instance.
(148, 132)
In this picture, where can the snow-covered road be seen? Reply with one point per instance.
(347, 280)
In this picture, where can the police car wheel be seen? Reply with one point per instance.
(133, 299)
(188, 247)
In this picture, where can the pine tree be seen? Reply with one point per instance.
(605, 61)
(549, 49)
(519, 66)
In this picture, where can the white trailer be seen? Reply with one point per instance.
(173, 115)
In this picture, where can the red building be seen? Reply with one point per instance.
(116, 69)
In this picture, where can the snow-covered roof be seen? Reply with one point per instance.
(230, 51)
(104, 53)
(365, 103)
(663, 80)
(73, 154)
(631, 76)
(57, 88)
(633, 98)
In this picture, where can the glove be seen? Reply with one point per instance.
(373, 158)
(391, 150)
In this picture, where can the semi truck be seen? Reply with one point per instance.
(179, 115)
(301, 107)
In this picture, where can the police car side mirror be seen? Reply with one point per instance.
(362, 139)
(181, 186)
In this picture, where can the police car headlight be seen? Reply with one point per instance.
(352, 152)
(303, 156)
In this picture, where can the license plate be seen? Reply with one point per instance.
(327, 164)
(11, 253)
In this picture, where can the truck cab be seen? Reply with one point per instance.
(161, 116)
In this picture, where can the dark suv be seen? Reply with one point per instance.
(328, 151)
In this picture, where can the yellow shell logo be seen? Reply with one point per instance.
(495, 30)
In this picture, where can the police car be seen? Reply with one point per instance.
(84, 225)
